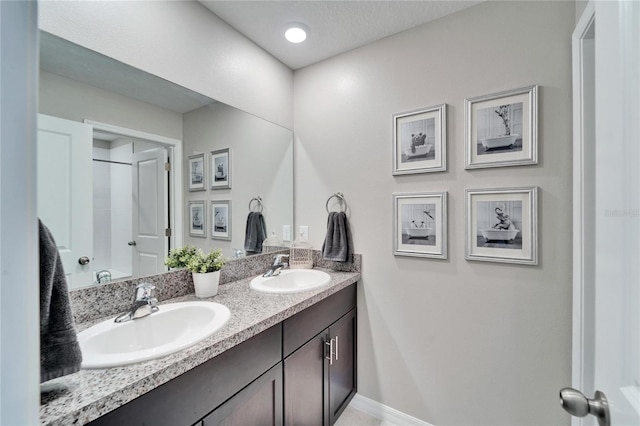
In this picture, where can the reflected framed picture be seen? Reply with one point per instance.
(420, 224)
(501, 129)
(197, 219)
(502, 225)
(221, 220)
(220, 166)
(420, 141)
(197, 172)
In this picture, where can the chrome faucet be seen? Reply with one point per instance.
(280, 261)
(103, 276)
(143, 303)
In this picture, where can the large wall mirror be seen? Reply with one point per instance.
(131, 165)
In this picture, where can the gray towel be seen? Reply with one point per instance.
(59, 349)
(255, 234)
(337, 244)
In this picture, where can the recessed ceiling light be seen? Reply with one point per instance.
(296, 32)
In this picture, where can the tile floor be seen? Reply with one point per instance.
(353, 417)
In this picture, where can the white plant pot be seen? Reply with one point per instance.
(206, 284)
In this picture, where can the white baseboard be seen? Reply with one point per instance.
(384, 413)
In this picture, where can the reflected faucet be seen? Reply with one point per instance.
(280, 261)
(103, 276)
(143, 303)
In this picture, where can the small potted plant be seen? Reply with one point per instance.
(204, 268)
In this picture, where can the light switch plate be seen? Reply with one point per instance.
(286, 232)
(304, 232)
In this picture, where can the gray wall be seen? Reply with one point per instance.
(65, 98)
(19, 280)
(261, 165)
(581, 5)
(451, 342)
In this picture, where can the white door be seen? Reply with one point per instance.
(150, 193)
(607, 240)
(65, 193)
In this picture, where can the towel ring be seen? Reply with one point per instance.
(257, 199)
(341, 199)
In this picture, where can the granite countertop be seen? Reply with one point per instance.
(88, 394)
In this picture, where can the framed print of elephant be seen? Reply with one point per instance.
(502, 225)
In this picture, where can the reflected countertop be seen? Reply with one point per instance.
(88, 394)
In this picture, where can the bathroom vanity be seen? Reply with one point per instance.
(281, 359)
(244, 385)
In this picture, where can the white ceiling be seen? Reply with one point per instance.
(336, 26)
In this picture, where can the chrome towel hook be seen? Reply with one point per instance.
(258, 200)
(341, 200)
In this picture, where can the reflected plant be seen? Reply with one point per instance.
(179, 257)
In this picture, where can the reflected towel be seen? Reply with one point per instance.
(255, 234)
(337, 244)
(59, 349)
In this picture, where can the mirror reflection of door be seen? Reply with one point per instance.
(65, 192)
(150, 211)
(104, 197)
(130, 205)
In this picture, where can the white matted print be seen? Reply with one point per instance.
(420, 141)
(420, 224)
(502, 225)
(501, 129)
(221, 220)
(196, 172)
(197, 219)
(220, 165)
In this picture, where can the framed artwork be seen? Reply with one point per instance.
(221, 220)
(501, 129)
(502, 225)
(420, 224)
(197, 219)
(196, 172)
(420, 141)
(220, 165)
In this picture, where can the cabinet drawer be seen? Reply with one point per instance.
(189, 397)
(303, 326)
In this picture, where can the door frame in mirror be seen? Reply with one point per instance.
(175, 207)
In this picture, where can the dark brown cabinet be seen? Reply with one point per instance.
(320, 376)
(259, 404)
(188, 398)
(342, 371)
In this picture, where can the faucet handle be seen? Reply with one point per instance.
(144, 291)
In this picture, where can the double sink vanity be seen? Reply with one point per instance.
(256, 353)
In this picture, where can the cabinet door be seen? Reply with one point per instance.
(342, 371)
(305, 378)
(259, 404)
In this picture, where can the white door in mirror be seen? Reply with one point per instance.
(291, 281)
(174, 327)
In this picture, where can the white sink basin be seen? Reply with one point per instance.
(291, 281)
(174, 327)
